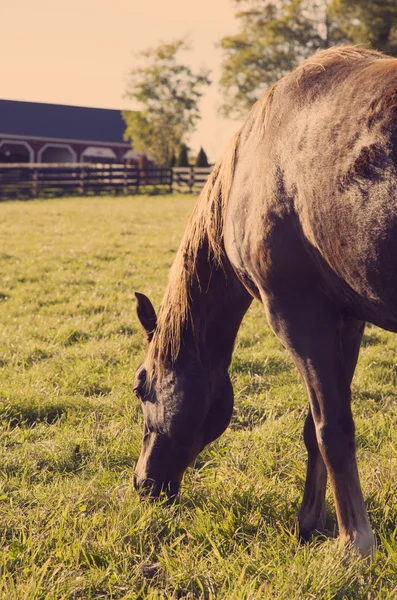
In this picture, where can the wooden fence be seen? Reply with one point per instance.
(190, 179)
(24, 180)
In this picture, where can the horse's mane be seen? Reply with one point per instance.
(335, 56)
(205, 227)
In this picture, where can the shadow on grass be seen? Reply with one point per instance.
(28, 416)
(376, 396)
(244, 501)
(247, 417)
(71, 337)
(34, 357)
(269, 366)
(371, 339)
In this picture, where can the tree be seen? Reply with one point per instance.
(276, 35)
(371, 24)
(169, 94)
(201, 159)
(172, 161)
(183, 159)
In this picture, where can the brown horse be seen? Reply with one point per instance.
(300, 213)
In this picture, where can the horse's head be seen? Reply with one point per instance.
(185, 406)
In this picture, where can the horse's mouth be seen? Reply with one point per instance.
(152, 489)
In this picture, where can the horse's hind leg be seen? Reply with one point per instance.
(311, 516)
(318, 338)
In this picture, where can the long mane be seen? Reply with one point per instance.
(205, 227)
(337, 55)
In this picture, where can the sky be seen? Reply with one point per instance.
(79, 52)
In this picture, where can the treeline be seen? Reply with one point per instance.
(274, 37)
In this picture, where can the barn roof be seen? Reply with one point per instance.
(36, 119)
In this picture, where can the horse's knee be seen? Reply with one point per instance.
(336, 440)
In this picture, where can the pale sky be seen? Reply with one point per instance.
(79, 52)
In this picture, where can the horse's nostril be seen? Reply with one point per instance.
(147, 488)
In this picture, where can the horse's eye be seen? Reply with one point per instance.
(138, 392)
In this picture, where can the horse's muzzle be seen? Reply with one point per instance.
(152, 490)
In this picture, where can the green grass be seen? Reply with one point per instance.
(71, 523)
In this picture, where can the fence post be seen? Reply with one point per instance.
(82, 174)
(35, 182)
(125, 180)
(171, 179)
(111, 175)
(191, 179)
(138, 172)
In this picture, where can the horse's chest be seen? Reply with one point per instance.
(267, 249)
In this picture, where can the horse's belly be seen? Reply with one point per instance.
(356, 236)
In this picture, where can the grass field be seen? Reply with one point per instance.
(71, 523)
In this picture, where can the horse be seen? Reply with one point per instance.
(299, 213)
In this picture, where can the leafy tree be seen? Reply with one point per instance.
(276, 35)
(371, 24)
(201, 159)
(169, 93)
(183, 158)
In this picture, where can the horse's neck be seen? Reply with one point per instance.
(218, 303)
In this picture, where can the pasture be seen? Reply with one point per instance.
(71, 525)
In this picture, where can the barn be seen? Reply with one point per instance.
(37, 132)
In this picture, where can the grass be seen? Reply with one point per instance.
(71, 523)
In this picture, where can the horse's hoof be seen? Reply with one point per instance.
(363, 542)
(306, 535)
(310, 526)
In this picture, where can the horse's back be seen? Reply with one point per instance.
(314, 199)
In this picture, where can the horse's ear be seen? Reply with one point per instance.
(146, 315)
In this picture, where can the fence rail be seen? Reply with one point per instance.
(190, 179)
(50, 179)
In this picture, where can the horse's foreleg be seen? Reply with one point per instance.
(325, 348)
(311, 516)
(351, 336)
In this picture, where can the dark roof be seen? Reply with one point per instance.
(36, 119)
